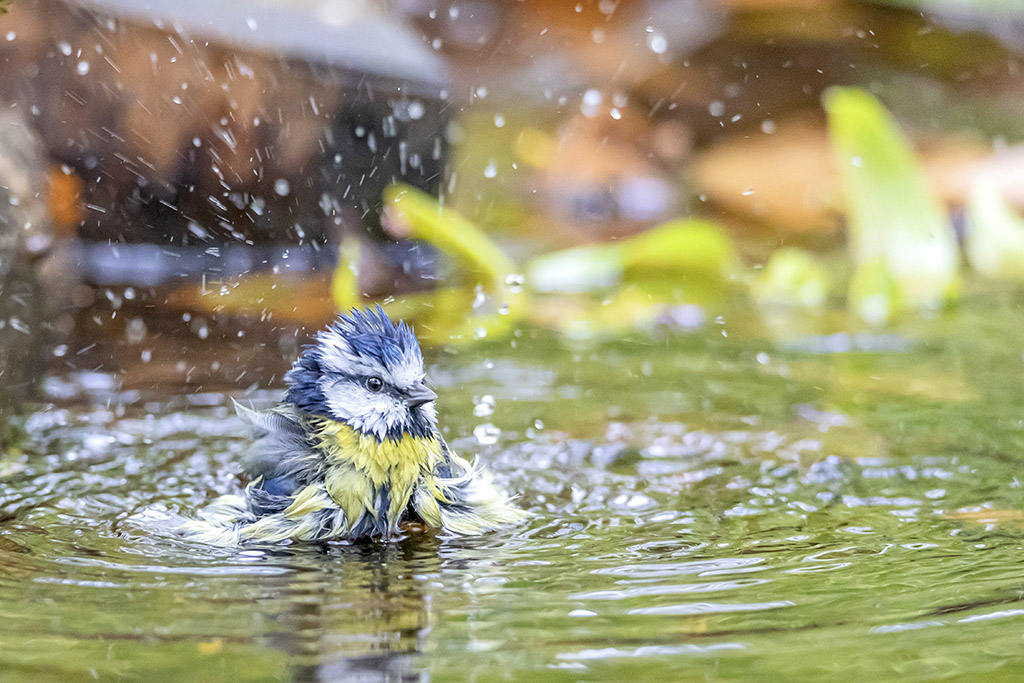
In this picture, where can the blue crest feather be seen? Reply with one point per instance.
(369, 333)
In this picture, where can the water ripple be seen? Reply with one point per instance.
(680, 589)
(709, 608)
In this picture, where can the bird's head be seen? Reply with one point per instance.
(367, 372)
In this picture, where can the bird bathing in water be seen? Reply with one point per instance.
(353, 450)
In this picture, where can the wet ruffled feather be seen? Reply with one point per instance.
(314, 478)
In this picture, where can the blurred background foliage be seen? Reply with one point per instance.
(591, 167)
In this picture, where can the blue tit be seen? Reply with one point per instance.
(353, 450)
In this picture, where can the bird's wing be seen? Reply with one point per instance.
(263, 422)
(459, 496)
(309, 515)
(281, 460)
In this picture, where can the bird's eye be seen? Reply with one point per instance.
(374, 384)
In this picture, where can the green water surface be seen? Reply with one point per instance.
(737, 503)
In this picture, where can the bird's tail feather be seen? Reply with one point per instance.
(221, 522)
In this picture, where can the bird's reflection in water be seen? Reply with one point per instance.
(354, 612)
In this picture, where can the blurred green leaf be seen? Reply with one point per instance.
(900, 238)
(1000, 8)
(461, 313)
(792, 277)
(581, 269)
(874, 296)
(995, 244)
(413, 213)
(689, 247)
(345, 282)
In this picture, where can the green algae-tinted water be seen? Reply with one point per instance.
(819, 507)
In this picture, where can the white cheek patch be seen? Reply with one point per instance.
(364, 410)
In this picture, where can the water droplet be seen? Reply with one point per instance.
(135, 331)
(82, 68)
(487, 434)
(11, 35)
(747, 191)
(657, 43)
(65, 48)
(416, 110)
(251, 23)
(281, 187)
(515, 282)
(479, 299)
(492, 169)
(499, 121)
(716, 108)
(591, 103)
(484, 407)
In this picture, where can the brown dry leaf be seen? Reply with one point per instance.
(788, 178)
(303, 299)
(64, 200)
(955, 165)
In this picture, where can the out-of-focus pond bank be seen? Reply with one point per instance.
(824, 506)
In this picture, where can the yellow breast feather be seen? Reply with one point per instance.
(365, 475)
(380, 461)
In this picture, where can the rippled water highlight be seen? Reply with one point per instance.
(705, 509)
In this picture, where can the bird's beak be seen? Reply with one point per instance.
(419, 395)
